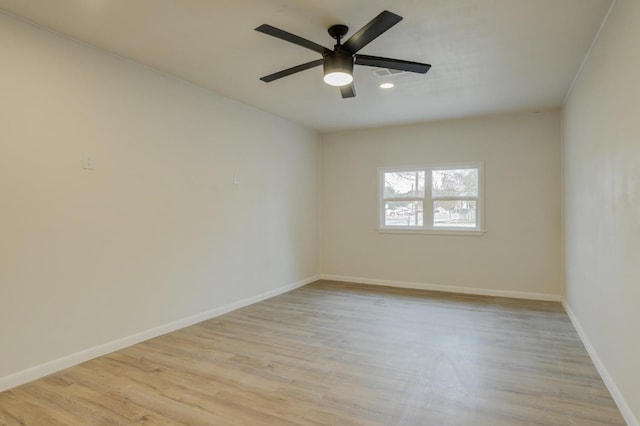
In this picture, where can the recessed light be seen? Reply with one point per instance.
(386, 85)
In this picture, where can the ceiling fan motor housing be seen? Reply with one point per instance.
(338, 62)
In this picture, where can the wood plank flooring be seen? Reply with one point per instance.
(339, 354)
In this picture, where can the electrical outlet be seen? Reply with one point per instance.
(89, 162)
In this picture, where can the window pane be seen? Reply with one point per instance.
(455, 183)
(403, 213)
(454, 214)
(404, 184)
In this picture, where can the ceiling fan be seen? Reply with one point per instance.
(338, 63)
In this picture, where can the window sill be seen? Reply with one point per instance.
(452, 232)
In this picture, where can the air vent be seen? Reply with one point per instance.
(386, 72)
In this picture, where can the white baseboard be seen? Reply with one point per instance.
(38, 371)
(447, 288)
(623, 406)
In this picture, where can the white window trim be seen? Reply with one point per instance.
(427, 219)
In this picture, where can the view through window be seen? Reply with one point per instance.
(431, 198)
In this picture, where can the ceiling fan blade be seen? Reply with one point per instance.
(291, 70)
(395, 64)
(348, 91)
(292, 38)
(372, 30)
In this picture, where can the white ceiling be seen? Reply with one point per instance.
(488, 56)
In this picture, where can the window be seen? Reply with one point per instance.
(441, 198)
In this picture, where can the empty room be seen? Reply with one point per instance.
(292, 212)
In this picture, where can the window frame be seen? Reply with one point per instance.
(428, 200)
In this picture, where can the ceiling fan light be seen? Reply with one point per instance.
(338, 69)
(338, 78)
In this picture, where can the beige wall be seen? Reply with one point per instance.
(158, 231)
(519, 254)
(602, 204)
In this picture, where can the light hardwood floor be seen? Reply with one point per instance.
(339, 354)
